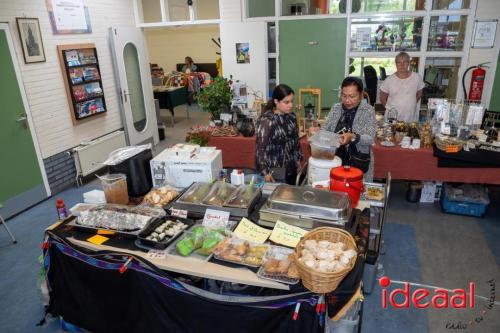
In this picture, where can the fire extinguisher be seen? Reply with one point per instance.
(476, 82)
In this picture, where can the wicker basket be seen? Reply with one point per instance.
(321, 282)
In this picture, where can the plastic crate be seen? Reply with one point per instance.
(462, 207)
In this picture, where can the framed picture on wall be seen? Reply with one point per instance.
(31, 39)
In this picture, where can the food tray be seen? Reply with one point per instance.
(234, 244)
(196, 193)
(172, 248)
(278, 253)
(142, 236)
(128, 234)
(219, 194)
(243, 197)
(374, 193)
(161, 195)
(185, 202)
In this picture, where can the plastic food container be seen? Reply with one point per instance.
(324, 144)
(115, 188)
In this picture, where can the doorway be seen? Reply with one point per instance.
(23, 181)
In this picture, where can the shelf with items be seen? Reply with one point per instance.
(82, 79)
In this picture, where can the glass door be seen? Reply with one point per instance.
(136, 91)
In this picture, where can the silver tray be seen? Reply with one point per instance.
(310, 203)
(130, 234)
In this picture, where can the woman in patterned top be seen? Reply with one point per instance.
(278, 146)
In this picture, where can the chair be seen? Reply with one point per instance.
(371, 83)
(7, 228)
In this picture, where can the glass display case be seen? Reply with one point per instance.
(447, 33)
(386, 34)
(80, 67)
(441, 78)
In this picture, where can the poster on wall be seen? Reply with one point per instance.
(484, 34)
(68, 17)
(243, 53)
(31, 39)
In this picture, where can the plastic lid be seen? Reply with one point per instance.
(325, 139)
(59, 201)
(346, 172)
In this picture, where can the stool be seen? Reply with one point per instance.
(7, 228)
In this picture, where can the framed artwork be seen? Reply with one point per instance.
(31, 39)
(69, 16)
(484, 34)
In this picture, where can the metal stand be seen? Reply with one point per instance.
(7, 228)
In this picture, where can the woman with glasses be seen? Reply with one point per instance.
(354, 120)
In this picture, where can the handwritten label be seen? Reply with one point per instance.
(249, 231)
(156, 254)
(286, 234)
(179, 213)
(215, 218)
(97, 239)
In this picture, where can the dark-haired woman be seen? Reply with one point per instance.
(189, 65)
(355, 119)
(278, 149)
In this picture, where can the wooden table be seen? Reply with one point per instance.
(420, 164)
(239, 151)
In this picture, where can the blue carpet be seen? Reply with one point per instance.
(490, 224)
(401, 263)
(21, 308)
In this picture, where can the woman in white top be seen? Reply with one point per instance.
(402, 90)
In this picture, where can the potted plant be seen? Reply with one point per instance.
(216, 97)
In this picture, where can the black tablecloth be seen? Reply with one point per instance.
(87, 290)
(476, 158)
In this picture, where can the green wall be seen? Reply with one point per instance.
(312, 55)
(260, 8)
(495, 92)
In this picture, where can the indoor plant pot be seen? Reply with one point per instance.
(216, 98)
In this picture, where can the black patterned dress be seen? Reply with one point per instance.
(278, 143)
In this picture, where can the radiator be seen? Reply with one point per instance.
(89, 156)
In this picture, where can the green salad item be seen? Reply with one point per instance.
(198, 233)
(185, 246)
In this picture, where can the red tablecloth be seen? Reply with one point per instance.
(420, 164)
(239, 151)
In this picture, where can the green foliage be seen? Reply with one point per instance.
(216, 97)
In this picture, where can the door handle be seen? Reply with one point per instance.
(125, 94)
(313, 43)
(23, 120)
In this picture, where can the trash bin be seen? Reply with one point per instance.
(414, 191)
(138, 173)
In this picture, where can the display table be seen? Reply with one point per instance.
(239, 151)
(169, 98)
(87, 289)
(421, 164)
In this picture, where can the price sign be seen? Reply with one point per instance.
(156, 254)
(179, 213)
(286, 234)
(215, 218)
(249, 231)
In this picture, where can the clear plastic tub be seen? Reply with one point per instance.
(115, 188)
(324, 145)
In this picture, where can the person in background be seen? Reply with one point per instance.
(277, 144)
(354, 120)
(402, 90)
(189, 65)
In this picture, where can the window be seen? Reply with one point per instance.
(450, 4)
(386, 34)
(260, 8)
(447, 33)
(381, 66)
(386, 5)
(441, 78)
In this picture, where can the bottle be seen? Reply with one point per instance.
(62, 213)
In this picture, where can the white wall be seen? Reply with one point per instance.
(486, 9)
(254, 74)
(170, 45)
(44, 84)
